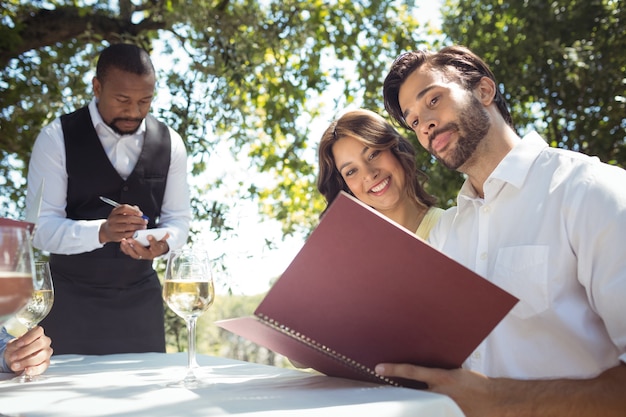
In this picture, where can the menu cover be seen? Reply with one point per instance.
(364, 290)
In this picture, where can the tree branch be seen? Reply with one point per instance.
(48, 27)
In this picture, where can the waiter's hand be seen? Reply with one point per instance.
(122, 223)
(137, 251)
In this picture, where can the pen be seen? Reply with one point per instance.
(116, 204)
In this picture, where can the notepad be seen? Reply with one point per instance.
(364, 290)
(141, 236)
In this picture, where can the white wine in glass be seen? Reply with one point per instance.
(189, 291)
(16, 270)
(39, 305)
(41, 300)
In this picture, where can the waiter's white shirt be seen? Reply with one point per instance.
(57, 234)
(551, 230)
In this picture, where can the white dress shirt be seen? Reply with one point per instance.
(551, 230)
(57, 234)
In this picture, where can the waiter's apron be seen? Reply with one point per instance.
(105, 306)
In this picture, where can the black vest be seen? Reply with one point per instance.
(91, 174)
(105, 301)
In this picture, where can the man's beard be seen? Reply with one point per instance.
(124, 132)
(474, 123)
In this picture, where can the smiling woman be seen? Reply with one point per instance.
(374, 176)
(363, 154)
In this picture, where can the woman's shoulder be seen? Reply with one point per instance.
(430, 219)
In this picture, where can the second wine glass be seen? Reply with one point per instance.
(189, 291)
(39, 305)
(16, 269)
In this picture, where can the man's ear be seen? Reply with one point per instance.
(485, 91)
(97, 87)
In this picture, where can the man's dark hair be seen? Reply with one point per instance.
(126, 57)
(457, 62)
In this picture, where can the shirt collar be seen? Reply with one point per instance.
(98, 123)
(513, 169)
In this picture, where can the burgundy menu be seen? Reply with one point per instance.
(364, 290)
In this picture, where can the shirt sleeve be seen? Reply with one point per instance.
(56, 233)
(176, 207)
(5, 337)
(596, 227)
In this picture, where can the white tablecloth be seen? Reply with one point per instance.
(134, 385)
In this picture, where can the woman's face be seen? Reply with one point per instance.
(375, 177)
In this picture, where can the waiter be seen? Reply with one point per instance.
(107, 294)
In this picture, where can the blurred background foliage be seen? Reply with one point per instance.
(257, 81)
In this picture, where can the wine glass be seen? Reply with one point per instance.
(189, 291)
(38, 306)
(16, 270)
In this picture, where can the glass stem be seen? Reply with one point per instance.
(191, 343)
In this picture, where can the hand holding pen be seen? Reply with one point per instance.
(154, 248)
(116, 204)
(122, 223)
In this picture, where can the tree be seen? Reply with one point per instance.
(562, 64)
(253, 74)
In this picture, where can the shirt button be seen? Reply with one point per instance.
(486, 209)
(483, 256)
(476, 355)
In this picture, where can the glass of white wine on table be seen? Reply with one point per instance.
(38, 306)
(189, 291)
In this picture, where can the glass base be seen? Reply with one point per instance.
(22, 379)
(189, 383)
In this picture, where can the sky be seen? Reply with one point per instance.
(251, 266)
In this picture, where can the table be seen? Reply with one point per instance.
(134, 385)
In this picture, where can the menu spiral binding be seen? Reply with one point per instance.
(326, 350)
